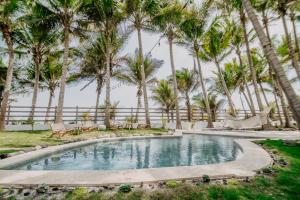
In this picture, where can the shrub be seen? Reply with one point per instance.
(125, 188)
(78, 194)
(267, 170)
(172, 184)
(1, 192)
(233, 182)
(205, 178)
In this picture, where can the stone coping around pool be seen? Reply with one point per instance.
(253, 158)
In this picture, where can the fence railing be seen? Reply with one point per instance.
(20, 114)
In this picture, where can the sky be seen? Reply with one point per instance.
(126, 95)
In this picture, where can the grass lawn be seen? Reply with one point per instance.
(284, 184)
(33, 138)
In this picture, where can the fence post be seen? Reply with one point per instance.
(76, 118)
(131, 114)
(8, 115)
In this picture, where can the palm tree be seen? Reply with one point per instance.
(269, 52)
(282, 7)
(140, 12)
(163, 95)
(8, 23)
(67, 14)
(132, 74)
(295, 8)
(37, 39)
(167, 21)
(187, 83)
(193, 28)
(214, 104)
(106, 16)
(237, 41)
(215, 49)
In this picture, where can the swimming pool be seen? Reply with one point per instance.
(188, 150)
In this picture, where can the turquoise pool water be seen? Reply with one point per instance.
(141, 153)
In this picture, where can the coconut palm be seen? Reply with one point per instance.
(37, 39)
(295, 8)
(237, 42)
(139, 13)
(8, 24)
(167, 21)
(286, 86)
(163, 94)
(187, 83)
(106, 16)
(215, 48)
(193, 27)
(68, 15)
(132, 73)
(214, 104)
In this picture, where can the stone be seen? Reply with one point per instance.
(26, 193)
(42, 189)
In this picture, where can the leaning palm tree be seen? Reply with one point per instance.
(193, 27)
(163, 94)
(187, 83)
(8, 23)
(214, 104)
(167, 21)
(293, 16)
(293, 100)
(215, 49)
(38, 40)
(68, 15)
(106, 16)
(132, 74)
(139, 14)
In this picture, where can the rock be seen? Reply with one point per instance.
(3, 156)
(161, 184)
(38, 147)
(26, 193)
(42, 189)
(224, 181)
(101, 189)
(44, 146)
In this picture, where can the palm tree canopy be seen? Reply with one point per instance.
(163, 95)
(131, 73)
(187, 81)
(214, 103)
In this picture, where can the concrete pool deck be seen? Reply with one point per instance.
(253, 158)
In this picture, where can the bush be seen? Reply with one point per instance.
(1, 192)
(205, 178)
(78, 194)
(125, 188)
(172, 184)
(266, 170)
(233, 182)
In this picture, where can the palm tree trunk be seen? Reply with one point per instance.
(246, 98)
(51, 94)
(144, 86)
(245, 112)
(284, 108)
(275, 93)
(293, 100)
(230, 102)
(107, 99)
(139, 103)
(201, 80)
(290, 46)
(178, 120)
(292, 16)
(99, 86)
(59, 114)
(264, 94)
(9, 76)
(188, 106)
(36, 83)
(252, 107)
(250, 63)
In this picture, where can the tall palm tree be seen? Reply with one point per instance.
(132, 73)
(8, 23)
(139, 13)
(214, 104)
(106, 16)
(193, 27)
(167, 21)
(37, 39)
(68, 15)
(293, 9)
(269, 52)
(237, 41)
(187, 83)
(215, 49)
(163, 94)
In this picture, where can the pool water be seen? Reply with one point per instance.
(141, 153)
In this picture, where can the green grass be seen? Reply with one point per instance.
(34, 138)
(284, 185)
